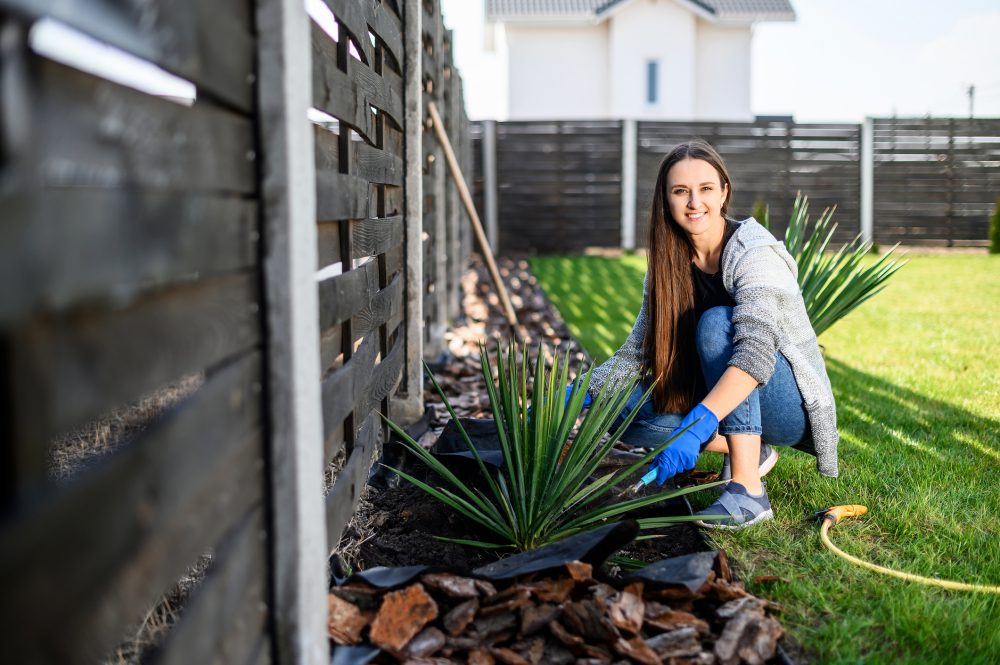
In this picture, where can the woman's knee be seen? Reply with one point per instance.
(714, 333)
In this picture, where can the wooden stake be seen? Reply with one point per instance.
(477, 226)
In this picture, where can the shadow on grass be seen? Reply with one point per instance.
(871, 409)
(597, 297)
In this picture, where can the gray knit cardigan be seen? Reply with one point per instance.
(769, 316)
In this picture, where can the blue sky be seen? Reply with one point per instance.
(841, 60)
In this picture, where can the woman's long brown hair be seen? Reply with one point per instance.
(671, 356)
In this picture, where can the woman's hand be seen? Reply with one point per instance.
(682, 454)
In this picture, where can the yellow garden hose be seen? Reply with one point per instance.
(831, 516)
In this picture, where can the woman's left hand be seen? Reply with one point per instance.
(682, 454)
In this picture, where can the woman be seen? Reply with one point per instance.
(724, 329)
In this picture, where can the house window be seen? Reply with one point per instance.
(651, 75)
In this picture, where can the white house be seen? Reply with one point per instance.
(642, 59)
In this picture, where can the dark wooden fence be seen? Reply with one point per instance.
(936, 179)
(559, 184)
(260, 274)
(768, 162)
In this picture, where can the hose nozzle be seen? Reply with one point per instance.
(837, 513)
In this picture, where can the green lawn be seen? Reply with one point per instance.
(916, 374)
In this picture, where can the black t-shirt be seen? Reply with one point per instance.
(708, 289)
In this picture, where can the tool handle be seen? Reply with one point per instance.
(649, 478)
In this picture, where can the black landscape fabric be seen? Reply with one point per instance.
(592, 547)
(690, 570)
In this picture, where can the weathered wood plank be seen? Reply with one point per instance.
(366, 161)
(91, 133)
(227, 613)
(377, 236)
(345, 295)
(386, 305)
(343, 498)
(65, 246)
(345, 387)
(350, 98)
(342, 196)
(72, 368)
(210, 44)
(360, 17)
(133, 524)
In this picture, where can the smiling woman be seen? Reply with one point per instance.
(729, 359)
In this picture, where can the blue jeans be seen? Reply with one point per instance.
(774, 411)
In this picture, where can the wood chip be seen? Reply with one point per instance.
(678, 643)
(553, 591)
(508, 656)
(749, 604)
(481, 656)
(726, 591)
(626, 609)
(749, 638)
(531, 650)
(426, 643)
(521, 599)
(586, 619)
(662, 617)
(451, 585)
(579, 571)
(459, 617)
(637, 650)
(345, 621)
(403, 614)
(564, 636)
(485, 587)
(536, 617)
(486, 627)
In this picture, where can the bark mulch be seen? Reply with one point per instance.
(595, 617)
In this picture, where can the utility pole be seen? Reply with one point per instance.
(971, 92)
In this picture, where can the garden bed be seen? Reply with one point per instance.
(397, 524)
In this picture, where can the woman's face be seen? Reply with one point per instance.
(695, 195)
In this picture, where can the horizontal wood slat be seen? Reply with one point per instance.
(360, 17)
(366, 161)
(342, 196)
(345, 295)
(132, 524)
(77, 367)
(228, 612)
(385, 308)
(65, 246)
(350, 97)
(88, 132)
(342, 500)
(208, 43)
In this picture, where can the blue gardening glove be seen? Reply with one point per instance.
(587, 400)
(682, 454)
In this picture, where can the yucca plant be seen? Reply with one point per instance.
(546, 489)
(833, 285)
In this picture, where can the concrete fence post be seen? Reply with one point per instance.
(867, 180)
(295, 436)
(489, 147)
(629, 149)
(408, 404)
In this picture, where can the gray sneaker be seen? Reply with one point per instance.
(738, 507)
(768, 458)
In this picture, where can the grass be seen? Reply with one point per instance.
(916, 374)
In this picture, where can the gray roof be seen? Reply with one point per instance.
(723, 10)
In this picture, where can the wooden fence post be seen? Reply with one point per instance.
(867, 180)
(629, 139)
(288, 205)
(408, 405)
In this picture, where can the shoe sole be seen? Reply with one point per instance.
(763, 517)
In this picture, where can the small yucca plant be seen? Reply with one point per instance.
(833, 285)
(546, 489)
